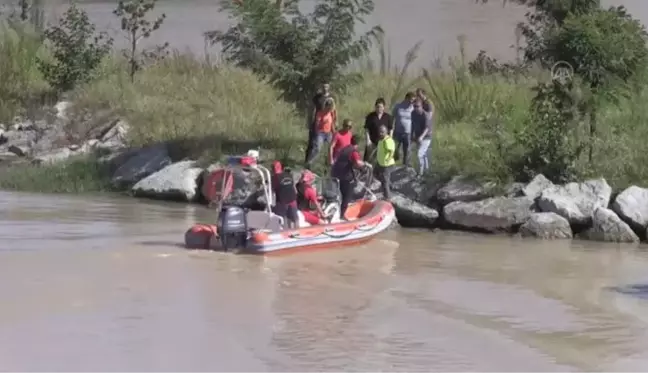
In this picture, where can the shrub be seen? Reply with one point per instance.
(22, 84)
(76, 50)
(296, 52)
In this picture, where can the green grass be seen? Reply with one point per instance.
(206, 111)
(76, 175)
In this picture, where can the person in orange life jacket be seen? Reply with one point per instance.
(343, 169)
(285, 194)
(324, 129)
(341, 139)
(307, 199)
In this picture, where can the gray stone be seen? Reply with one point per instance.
(19, 150)
(410, 213)
(576, 201)
(175, 182)
(632, 206)
(546, 225)
(608, 227)
(492, 214)
(463, 189)
(537, 186)
(514, 190)
(143, 163)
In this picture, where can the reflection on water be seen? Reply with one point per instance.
(98, 283)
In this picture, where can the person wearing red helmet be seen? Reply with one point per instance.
(307, 199)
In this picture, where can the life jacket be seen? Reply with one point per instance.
(285, 188)
(342, 169)
(302, 203)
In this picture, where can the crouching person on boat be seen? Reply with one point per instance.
(307, 201)
(286, 195)
(347, 160)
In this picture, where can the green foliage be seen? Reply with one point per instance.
(76, 50)
(77, 175)
(551, 142)
(133, 15)
(21, 81)
(605, 47)
(295, 51)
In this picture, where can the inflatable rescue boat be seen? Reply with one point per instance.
(263, 232)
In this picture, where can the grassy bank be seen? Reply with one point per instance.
(208, 110)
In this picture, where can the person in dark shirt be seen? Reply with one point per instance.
(343, 170)
(373, 122)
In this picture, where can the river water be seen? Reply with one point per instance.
(103, 283)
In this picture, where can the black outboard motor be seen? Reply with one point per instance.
(232, 227)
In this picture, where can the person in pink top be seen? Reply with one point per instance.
(341, 140)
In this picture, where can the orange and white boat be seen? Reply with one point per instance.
(263, 232)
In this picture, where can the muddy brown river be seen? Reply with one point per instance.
(102, 283)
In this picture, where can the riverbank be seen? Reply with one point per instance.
(155, 136)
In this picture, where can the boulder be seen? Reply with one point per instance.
(536, 186)
(410, 213)
(17, 139)
(19, 150)
(463, 189)
(608, 227)
(141, 164)
(632, 206)
(113, 137)
(174, 182)
(576, 201)
(514, 190)
(492, 214)
(546, 225)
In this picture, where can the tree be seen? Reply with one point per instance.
(296, 51)
(133, 15)
(607, 49)
(77, 50)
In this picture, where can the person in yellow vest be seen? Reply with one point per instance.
(385, 149)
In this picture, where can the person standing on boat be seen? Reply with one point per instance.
(343, 169)
(307, 199)
(285, 195)
(386, 148)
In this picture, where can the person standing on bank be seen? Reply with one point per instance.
(422, 134)
(373, 122)
(324, 128)
(341, 139)
(385, 160)
(402, 134)
(343, 169)
(323, 93)
(428, 107)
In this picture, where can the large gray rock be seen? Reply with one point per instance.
(410, 213)
(537, 186)
(114, 137)
(632, 206)
(546, 225)
(608, 227)
(576, 201)
(143, 163)
(492, 214)
(174, 182)
(463, 189)
(18, 141)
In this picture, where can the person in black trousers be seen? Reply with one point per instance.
(343, 169)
